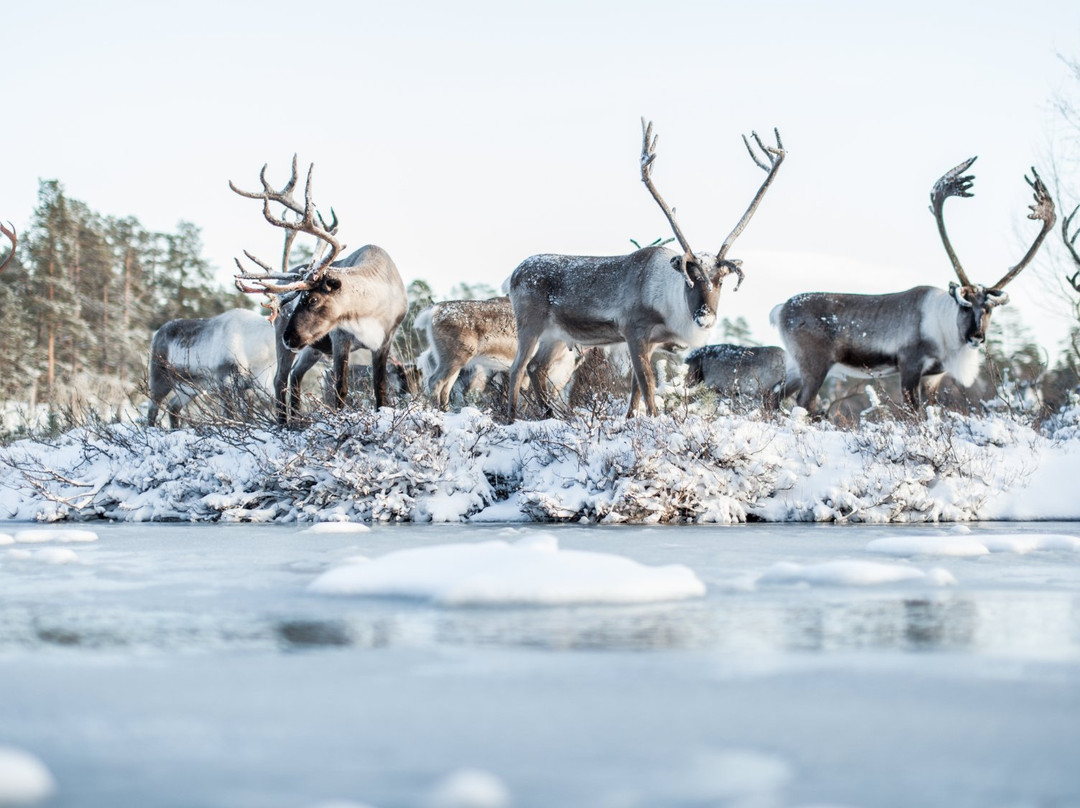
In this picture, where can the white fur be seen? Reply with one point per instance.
(239, 338)
(665, 289)
(960, 360)
(368, 331)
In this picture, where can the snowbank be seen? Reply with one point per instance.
(24, 780)
(530, 571)
(417, 464)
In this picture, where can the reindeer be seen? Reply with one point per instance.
(9, 232)
(647, 298)
(923, 332)
(481, 335)
(332, 306)
(741, 372)
(187, 356)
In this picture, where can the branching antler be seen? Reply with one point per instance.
(774, 156)
(1042, 209)
(1070, 243)
(648, 155)
(305, 223)
(951, 184)
(13, 238)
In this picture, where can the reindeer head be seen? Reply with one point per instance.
(319, 309)
(976, 302)
(704, 272)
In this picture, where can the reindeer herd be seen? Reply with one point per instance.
(560, 308)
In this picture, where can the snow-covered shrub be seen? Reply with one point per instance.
(693, 464)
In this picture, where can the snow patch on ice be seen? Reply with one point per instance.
(532, 571)
(907, 546)
(469, 788)
(56, 555)
(6, 538)
(37, 536)
(972, 544)
(851, 573)
(24, 780)
(338, 527)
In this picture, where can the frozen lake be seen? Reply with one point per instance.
(190, 665)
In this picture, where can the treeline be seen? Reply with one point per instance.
(84, 294)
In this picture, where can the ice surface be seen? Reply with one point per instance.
(175, 649)
(24, 780)
(530, 571)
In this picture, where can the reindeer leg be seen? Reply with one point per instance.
(527, 345)
(342, 344)
(378, 375)
(909, 386)
(643, 381)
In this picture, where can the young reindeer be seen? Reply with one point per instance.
(741, 372)
(924, 331)
(331, 305)
(645, 299)
(481, 334)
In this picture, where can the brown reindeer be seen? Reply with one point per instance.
(334, 306)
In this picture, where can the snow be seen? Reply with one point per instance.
(907, 546)
(24, 780)
(961, 546)
(469, 788)
(530, 571)
(852, 573)
(54, 534)
(338, 527)
(690, 466)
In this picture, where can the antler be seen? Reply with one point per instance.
(306, 223)
(775, 156)
(1043, 208)
(1074, 280)
(951, 184)
(13, 238)
(648, 154)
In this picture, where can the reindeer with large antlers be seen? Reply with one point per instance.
(645, 299)
(358, 301)
(923, 332)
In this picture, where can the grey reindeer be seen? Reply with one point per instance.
(648, 298)
(329, 306)
(192, 356)
(922, 332)
(743, 373)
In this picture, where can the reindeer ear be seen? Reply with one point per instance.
(677, 265)
(996, 297)
(332, 284)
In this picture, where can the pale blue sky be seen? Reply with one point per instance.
(464, 137)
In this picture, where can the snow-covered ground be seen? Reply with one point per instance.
(416, 464)
(761, 666)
